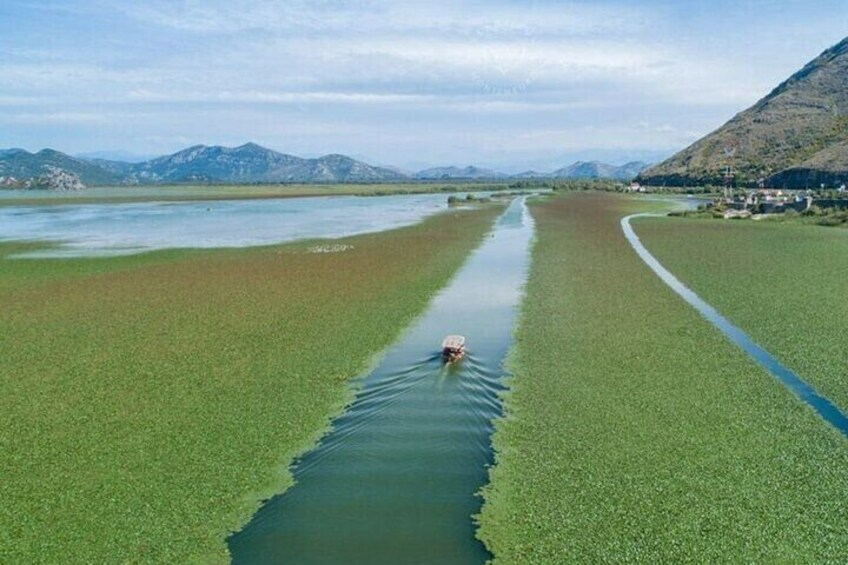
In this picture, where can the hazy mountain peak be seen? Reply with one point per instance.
(251, 162)
(252, 146)
(117, 156)
(336, 157)
(47, 152)
(598, 170)
(469, 172)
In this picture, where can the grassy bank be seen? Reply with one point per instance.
(783, 284)
(634, 432)
(234, 192)
(150, 401)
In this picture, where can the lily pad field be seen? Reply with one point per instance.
(151, 401)
(423, 283)
(784, 283)
(634, 432)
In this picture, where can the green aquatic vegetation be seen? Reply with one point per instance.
(635, 432)
(150, 402)
(828, 217)
(781, 283)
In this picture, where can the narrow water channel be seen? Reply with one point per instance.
(825, 408)
(395, 479)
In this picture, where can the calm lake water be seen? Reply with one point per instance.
(119, 229)
(395, 480)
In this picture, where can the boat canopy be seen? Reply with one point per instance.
(453, 342)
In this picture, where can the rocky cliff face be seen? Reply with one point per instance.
(797, 130)
(57, 179)
(23, 165)
(10, 182)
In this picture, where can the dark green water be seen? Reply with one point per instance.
(395, 479)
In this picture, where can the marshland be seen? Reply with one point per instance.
(176, 388)
(441, 282)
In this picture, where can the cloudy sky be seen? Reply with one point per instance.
(500, 83)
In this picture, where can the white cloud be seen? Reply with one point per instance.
(20, 100)
(265, 97)
(56, 118)
(400, 18)
(377, 76)
(335, 52)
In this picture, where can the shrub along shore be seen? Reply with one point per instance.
(634, 431)
(781, 283)
(149, 402)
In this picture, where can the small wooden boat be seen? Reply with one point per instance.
(453, 348)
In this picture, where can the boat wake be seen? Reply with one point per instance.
(395, 480)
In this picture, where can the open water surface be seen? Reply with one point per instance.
(825, 408)
(395, 481)
(90, 230)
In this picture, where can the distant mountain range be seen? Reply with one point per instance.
(115, 156)
(468, 173)
(578, 170)
(21, 164)
(248, 163)
(252, 163)
(795, 137)
(596, 170)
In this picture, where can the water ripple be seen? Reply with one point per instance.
(395, 479)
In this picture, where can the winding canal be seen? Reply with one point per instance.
(826, 409)
(395, 481)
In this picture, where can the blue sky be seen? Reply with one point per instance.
(500, 83)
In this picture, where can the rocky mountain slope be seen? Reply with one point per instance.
(468, 173)
(597, 170)
(22, 165)
(57, 179)
(796, 136)
(252, 163)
